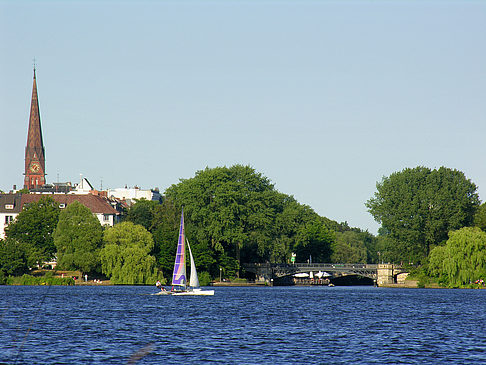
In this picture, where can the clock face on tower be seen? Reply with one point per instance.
(34, 167)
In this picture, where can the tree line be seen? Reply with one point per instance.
(234, 215)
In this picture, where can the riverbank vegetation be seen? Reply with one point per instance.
(432, 220)
(234, 215)
(47, 279)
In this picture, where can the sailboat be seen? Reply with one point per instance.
(179, 281)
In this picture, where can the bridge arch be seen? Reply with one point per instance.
(381, 273)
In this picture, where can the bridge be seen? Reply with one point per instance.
(382, 274)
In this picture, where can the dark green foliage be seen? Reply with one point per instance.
(313, 242)
(142, 213)
(204, 278)
(35, 226)
(78, 238)
(349, 248)
(229, 265)
(15, 257)
(387, 251)
(229, 207)
(480, 217)
(166, 221)
(418, 207)
(289, 229)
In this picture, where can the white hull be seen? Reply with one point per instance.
(186, 292)
(195, 292)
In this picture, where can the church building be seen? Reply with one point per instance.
(35, 161)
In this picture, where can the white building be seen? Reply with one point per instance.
(10, 207)
(131, 194)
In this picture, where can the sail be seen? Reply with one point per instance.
(179, 275)
(193, 281)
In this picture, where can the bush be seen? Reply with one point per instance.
(42, 280)
(204, 278)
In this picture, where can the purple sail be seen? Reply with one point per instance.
(179, 275)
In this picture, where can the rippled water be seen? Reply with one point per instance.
(292, 325)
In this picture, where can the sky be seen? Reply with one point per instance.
(324, 98)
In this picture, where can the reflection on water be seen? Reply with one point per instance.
(293, 325)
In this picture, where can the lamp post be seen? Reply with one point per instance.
(220, 271)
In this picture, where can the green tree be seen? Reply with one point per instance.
(78, 238)
(386, 249)
(314, 242)
(480, 217)
(166, 221)
(349, 248)
(290, 219)
(228, 208)
(35, 226)
(462, 260)
(15, 257)
(126, 257)
(418, 207)
(142, 213)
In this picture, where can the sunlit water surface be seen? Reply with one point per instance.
(291, 325)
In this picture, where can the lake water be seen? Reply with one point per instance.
(279, 325)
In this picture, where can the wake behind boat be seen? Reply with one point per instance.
(179, 282)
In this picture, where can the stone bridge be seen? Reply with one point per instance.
(382, 274)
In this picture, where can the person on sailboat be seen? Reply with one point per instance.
(158, 284)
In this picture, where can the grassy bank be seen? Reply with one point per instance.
(38, 280)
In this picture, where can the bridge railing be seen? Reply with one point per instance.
(316, 266)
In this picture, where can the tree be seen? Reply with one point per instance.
(35, 226)
(290, 219)
(228, 210)
(166, 221)
(348, 248)
(126, 258)
(142, 213)
(418, 207)
(78, 238)
(462, 260)
(314, 242)
(15, 257)
(480, 217)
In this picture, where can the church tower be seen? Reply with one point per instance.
(35, 161)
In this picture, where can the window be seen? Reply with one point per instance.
(106, 217)
(8, 219)
(62, 205)
(9, 206)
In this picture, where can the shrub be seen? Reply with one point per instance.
(204, 278)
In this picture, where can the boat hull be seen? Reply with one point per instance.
(186, 292)
(195, 292)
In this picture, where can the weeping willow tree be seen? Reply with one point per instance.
(126, 257)
(462, 260)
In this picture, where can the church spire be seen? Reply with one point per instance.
(34, 151)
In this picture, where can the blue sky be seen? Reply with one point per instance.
(322, 97)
